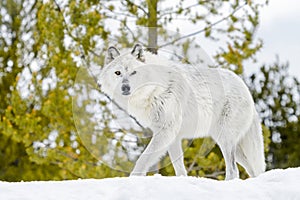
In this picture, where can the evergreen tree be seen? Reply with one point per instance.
(277, 96)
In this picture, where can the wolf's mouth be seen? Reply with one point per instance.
(126, 93)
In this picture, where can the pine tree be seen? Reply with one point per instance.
(277, 95)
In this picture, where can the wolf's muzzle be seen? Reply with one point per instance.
(125, 89)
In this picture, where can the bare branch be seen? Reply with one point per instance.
(215, 174)
(138, 6)
(122, 21)
(183, 9)
(118, 13)
(130, 31)
(202, 30)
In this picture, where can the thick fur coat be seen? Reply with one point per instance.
(179, 101)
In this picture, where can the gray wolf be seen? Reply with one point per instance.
(178, 101)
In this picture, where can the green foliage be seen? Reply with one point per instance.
(277, 96)
(30, 149)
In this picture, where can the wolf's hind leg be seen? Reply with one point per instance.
(176, 156)
(242, 160)
(229, 153)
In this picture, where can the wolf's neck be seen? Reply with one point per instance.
(140, 104)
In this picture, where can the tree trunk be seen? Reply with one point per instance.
(152, 25)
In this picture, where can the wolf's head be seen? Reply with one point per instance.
(121, 70)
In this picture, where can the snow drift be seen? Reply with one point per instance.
(275, 184)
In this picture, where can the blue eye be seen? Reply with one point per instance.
(118, 73)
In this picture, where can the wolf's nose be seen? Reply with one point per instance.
(125, 88)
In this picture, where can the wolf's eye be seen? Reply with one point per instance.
(118, 73)
(133, 73)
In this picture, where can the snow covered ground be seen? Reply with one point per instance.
(275, 184)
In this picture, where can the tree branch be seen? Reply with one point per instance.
(138, 6)
(183, 9)
(215, 174)
(202, 30)
(130, 31)
(118, 13)
(65, 22)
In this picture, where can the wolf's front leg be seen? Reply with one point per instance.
(155, 150)
(166, 118)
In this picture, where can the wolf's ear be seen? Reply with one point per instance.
(112, 53)
(138, 52)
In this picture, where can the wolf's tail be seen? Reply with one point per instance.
(250, 149)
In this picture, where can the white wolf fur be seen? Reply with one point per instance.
(179, 101)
